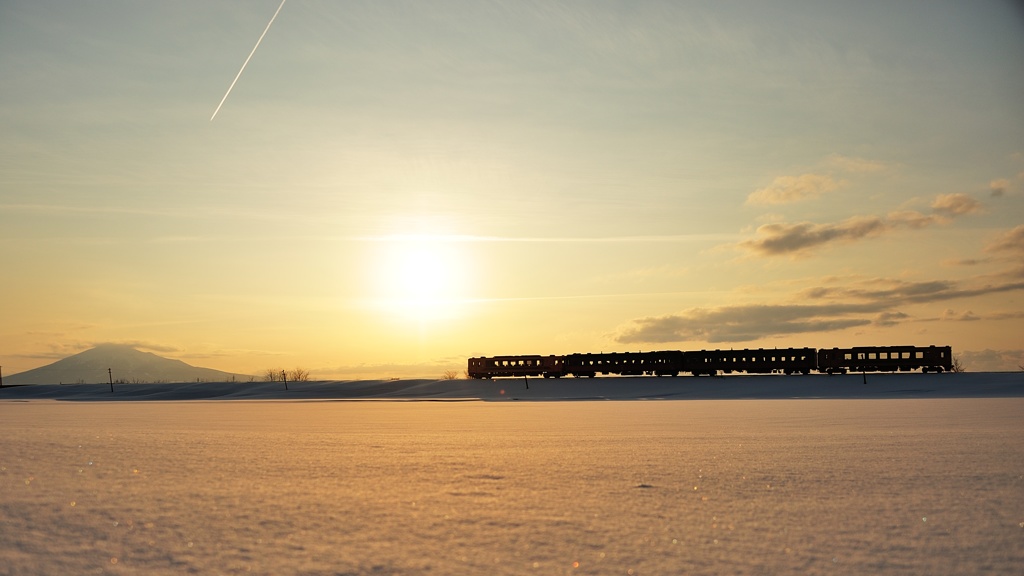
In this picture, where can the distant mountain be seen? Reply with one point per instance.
(126, 364)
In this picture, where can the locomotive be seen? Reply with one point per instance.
(714, 362)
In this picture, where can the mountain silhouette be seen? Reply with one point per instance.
(126, 364)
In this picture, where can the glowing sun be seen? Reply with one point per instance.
(420, 276)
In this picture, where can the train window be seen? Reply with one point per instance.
(905, 355)
(919, 355)
(872, 356)
(847, 356)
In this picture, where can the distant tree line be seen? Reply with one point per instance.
(281, 375)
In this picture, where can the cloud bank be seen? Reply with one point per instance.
(740, 323)
(875, 302)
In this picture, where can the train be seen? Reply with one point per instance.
(715, 362)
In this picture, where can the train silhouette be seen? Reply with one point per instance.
(713, 362)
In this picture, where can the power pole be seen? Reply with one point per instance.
(111, 378)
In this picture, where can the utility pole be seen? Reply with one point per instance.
(284, 376)
(111, 378)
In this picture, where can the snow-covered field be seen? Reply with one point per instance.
(892, 486)
(909, 385)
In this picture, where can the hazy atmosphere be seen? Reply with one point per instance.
(392, 187)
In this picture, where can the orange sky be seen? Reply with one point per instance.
(391, 188)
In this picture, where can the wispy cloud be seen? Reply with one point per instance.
(789, 189)
(1005, 245)
(1011, 241)
(429, 370)
(228, 353)
(855, 165)
(966, 316)
(955, 205)
(886, 319)
(884, 294)
(801, 238)
(993, 360)
(781, 238)
(60, 346)
(964, 261)
(469, 238)
(144, 345)
(999, 187)
(57, 208)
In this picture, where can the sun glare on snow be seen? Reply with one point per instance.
(420, 277)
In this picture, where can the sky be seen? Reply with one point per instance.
(392, 187)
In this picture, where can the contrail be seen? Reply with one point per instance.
(247, 61)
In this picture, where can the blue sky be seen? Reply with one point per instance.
(391, 187)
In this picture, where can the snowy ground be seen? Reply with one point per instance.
(909, 385)
(895, 486)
